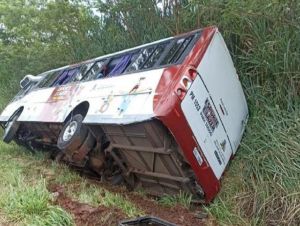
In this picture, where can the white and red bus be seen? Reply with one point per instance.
(166, 116)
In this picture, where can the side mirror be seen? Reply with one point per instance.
(29, 79)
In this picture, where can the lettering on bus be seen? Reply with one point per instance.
(218, 157)
(209, 117)
(195, 101)
(207, 114)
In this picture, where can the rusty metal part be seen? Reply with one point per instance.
(148, 151)
(161, 175)
(97, 163)
(88, 144)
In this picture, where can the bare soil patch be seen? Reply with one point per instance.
(85, 214)
(176, 215)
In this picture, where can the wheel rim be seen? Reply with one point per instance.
(70, 131)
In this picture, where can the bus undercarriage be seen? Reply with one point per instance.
(141, 155)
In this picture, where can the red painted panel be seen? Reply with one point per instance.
(167, 108)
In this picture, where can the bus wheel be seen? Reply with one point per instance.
(72, 134)
(11, 129)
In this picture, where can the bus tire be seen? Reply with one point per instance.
(72, 134)
(11, 129)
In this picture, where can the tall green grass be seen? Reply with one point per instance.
(262, 184)
(25, 200)
(182, 199)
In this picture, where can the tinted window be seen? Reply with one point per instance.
(83, 70)
(118, 65)
(95, 71)
(155, 55)
(163, 53)
(141, 58)
(49, 79)
(66, 76)
(176, 50)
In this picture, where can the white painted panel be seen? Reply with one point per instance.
(206, 126)
(10, 109)
(124, 99)
(220, 77)
(38, 95)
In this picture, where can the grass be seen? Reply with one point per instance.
(96, 195)
(25, 200)
(30, 205)
(80, 189)
(182, 199)
(63, 175)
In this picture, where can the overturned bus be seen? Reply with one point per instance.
(165, 116)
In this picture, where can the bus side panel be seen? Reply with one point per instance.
(124, 99)
(121, 100)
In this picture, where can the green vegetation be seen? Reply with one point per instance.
(24, 199)
(182, 198)
(99, 196)
(262, 184)
(80, 189)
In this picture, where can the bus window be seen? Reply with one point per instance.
(49, 79)
(95, 71)
(117, 66)
(176, 50)
(83, 70)
(65, 76)
(141, 59)
(155, 56)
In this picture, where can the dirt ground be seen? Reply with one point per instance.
(85, 214)
(177, 215)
